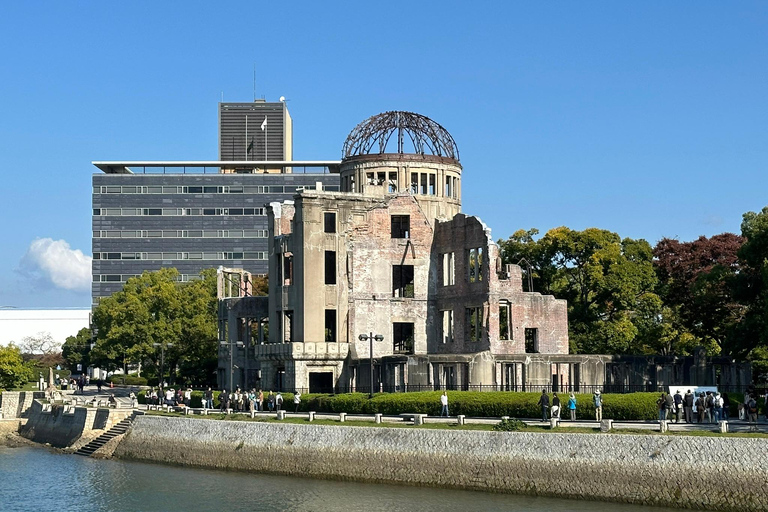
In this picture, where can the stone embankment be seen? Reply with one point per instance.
(716, 473)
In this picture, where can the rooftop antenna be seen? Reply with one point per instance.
(254, 81)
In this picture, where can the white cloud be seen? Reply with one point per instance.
(53, 261)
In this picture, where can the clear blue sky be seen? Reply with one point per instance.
(644, 118)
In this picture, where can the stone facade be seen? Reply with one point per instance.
(650, 470)
(350, 263)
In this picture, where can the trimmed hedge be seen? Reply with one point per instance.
(130, 380)
(630, 406)
(633, 406)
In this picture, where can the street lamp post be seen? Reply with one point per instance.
(231, 345)
(162, 360)
(371, 337)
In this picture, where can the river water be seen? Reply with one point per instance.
(38, 479)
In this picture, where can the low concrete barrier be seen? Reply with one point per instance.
(625, 468)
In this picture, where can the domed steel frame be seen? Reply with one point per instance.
(428, 137)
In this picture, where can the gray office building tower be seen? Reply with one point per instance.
(193, 215)
(255, 131)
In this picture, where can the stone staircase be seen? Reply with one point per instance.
(119, 428)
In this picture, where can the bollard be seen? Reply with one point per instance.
(460, 419)
(418, 419)
(281, 415)
(553, 423)
(723, 427)
(187, 411)
(311, 415)
(253, 414)
(606, 425)
(377, 417)
(342, 417)
(505, 418)
(205, 412)
(663, 426)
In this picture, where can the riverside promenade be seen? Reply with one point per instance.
(657, 470)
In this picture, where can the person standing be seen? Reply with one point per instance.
(188, 397)
(271, 401)
(709, 403)
(296, 401)
(678, 406)
(597, 400)
(224, 400)
(726, 407)
(572, 406)
(555, 406)
(544, 403)
(718, 401)
(752, 413)
(260, 401)
(669, 404)
(662, 407)
(208, 399)
(444, 402)
(701, 407)
(688, 406)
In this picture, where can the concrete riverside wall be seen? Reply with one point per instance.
(61, 426)
(654, 470)
(15, 404)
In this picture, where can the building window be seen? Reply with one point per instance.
(330, 325)
(448, 269)
(402, 281)
(330, 267)
(329, 222)
(401, 226)
(505, 321)
(446, 333)
(475, 265)
(287, 326)
(392, 183)
(287, 269)
(531, 340)
(402, 338)
(474, 324)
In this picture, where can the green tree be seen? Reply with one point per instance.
(751, 289)
(608, 283)
(198, 346)
(14, 372)
(76, 349)
(156, 310)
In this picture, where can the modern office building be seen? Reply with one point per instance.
(194, 215)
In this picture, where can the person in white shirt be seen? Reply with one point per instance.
(444, 402)
(296, 401)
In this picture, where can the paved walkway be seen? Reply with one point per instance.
(733, 425)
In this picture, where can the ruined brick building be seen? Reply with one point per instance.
(392, 255)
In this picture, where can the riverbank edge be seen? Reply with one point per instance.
(648, 470)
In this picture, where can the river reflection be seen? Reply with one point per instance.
(36, 479)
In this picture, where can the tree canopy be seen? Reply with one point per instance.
(14, 372)
(609, 283)
(156, 314)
